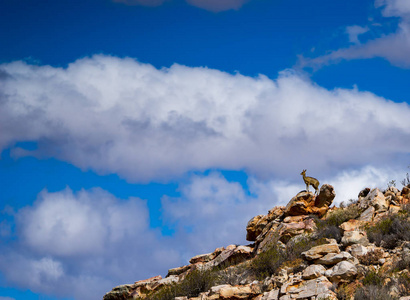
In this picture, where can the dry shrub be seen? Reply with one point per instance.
(371, 258)
(192, 285)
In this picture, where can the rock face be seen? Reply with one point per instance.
(317, 273)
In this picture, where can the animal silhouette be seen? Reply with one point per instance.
(310, 181)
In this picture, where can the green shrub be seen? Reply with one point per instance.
(268, 262)
(390, 231)
(342, 292)
(403, 263)
(339, 216)
(372, 278)
(329, 227)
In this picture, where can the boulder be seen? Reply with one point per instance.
(304, 204)
(255, 227)
(344, 270)
(405, 192)
(367, 215)
(334, 258)
(313, 271)
(295, 219)
(326, 195)
(178, 271)
(357, 250)
(351, 225)
(320, 251)
(275, 213)
(355, 237)
(232, 254)
(320, 288)
(206, 257)
(288, 230)
(239, 291)
(271, 295)
(376, 199)
(363, 193)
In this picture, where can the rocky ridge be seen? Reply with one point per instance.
(306, 250)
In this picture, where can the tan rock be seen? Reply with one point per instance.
(355, 237)
(206, 257)
(405, 192)
(239, 291)
(313, 271)
(326, 195)
(295, 219)
(147, 281)
(351, 225)
(178, 271)
(269, 239)
(367, 215)
(320, 251)
(394, 209)
(318, 288)
(271, 295)
(376, 199)
(255, 227)
(232, 254)
(281, 278)
(275, 213)
(357, 250)
(288, 230)
(300, 204)
(344, 270)
(334, 258)
(304, 204)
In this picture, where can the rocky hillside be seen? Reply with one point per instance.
(306, 250)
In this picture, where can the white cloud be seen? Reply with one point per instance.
(121, 116)
(349, 183)
(394, 46)
(354, 31)
(83, 244)
(398, 8)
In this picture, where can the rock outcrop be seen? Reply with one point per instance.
(337, 251)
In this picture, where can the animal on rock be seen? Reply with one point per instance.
(310, 181)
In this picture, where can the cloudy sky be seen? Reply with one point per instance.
(135, 134)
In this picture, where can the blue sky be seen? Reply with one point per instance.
(135, 134)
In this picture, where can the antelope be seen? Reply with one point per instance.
(310, 181)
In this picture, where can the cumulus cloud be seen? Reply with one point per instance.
(120, 116)
(211, 5)
(83, 244)
(393, 46)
